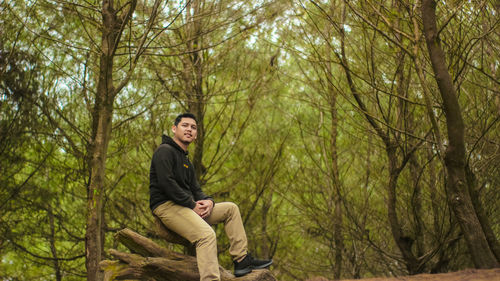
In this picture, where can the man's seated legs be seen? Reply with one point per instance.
(229, 214)
(188, 224)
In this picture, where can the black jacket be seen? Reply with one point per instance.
(172, 177)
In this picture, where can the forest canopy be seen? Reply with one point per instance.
(359, 138)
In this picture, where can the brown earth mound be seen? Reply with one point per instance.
(464, 275)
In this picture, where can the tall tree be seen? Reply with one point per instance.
(115, 18)
(457, 184)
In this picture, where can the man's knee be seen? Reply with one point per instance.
(207, 236)
(232, 207)
(235, 210)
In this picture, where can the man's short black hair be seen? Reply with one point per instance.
(184, 115)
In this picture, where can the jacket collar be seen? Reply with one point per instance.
(168, 140)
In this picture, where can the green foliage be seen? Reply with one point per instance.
(284, 136)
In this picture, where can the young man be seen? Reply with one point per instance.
(178, 201)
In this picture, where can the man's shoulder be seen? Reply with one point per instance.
(165, 148)
(165, 145)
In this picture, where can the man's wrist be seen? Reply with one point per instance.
(211, 199)
(193, 204)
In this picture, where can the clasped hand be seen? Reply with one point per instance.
(204, 208)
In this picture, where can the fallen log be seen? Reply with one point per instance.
(150, 261)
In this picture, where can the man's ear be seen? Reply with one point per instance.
(174, 128)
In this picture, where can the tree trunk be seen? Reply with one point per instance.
(338, 232)
(458, 195)
(481, 213)
(403, 242)
(102, 114)
(416, 203)
(93, 235)
(53, 248)
(97, 151)
(335, 182)
(193, 74)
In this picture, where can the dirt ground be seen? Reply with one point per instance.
(464, 275)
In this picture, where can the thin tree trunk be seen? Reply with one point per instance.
(404, 242)
(112, 27)
(266, 206)
(334, 182)
(193, 79)
(481, 213)
(473, 188)
(98, 147)
(337, 212)
(456, 184)
(416, 202)
(338, 232)
(93, 236)
(53, 247)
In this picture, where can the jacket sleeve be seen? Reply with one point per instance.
(196, 189)
(164, 163)
(197, 192)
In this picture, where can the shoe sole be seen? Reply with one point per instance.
(242, 272)
(263, 266)
(245, 271)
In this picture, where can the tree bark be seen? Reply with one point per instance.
(481, 213)
(335, 184)
(458, 195)
(338, 218)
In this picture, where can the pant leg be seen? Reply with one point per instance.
(185, 222)
(229, 214)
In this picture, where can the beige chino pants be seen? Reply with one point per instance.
(185, 222)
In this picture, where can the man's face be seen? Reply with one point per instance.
(185, 131)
